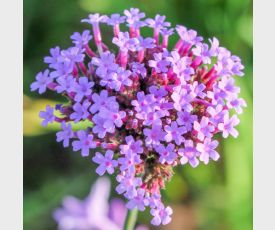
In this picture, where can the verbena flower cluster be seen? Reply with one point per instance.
(151, 108)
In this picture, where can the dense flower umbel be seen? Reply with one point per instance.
(152, 108)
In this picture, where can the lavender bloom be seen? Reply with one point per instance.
(47, 115)
(105, 64)
(237, 104)
(203, 128)
(167, 154)
(53, 59)
(133, 15)
(132, 146)
(99, 128)
(92, 212)
(73, 54)
(95, 18)
(115, 19)
(152, 106)
(186, 119)
(103, 101)
(106, 162)
(81, 40)
(62, 69)
(227, 127)
(120, 78)
(189, 154)
(207, 150)
(159, 64)
(138, 68)
(66, 84)
(154, 135)
(174, 133)
(80, 111)
(182, 99)
(158, 22)
(128, 162)
(42, 80)
(128, 185)
(83, 88)
(137, 201)
(85, 143)
(161, 215)
(65, 134)
(146, 43)
(217, 114)
(125, 43)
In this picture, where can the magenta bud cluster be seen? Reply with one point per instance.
(151, 109)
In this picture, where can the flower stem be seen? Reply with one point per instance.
(131, 219)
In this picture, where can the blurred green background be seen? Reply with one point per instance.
(213, 197)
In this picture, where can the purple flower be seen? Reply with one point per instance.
(207, 150)
(154, 135)
(92, 212)
(85, 143)
(161, 215)
(203, 128)
(227, 126)
(167, 154)
(228, 88)
(42, 80)
(112, 118)
(103, 101)
(81, 40)
(83, 88)
(65, 134)
(106, 162)
(125, 43)
(188, 36)
(99, 128)
(73, 54)
(189, 154)
(53, 59)
(197, 89)
(132, 146)
(182, 99)
(80, 111)
(105, 64)
(186, 119)
(67, 84)
(146, 43)
(201, 50)
(174, 132)
(128, 162)
(217, 114)
(95, 18)
(137, 201)
(120, 78)
(237, 104)
(155, 107)
(47, 115)
(133, 15)
(158, 22)
(138, 68)
(62, 69)
(160, 64)
(115, 19)
(128, 185)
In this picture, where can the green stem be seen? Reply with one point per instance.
(131, 219)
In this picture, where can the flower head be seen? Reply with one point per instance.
(150, 108)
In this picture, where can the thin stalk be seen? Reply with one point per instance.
(131, 219)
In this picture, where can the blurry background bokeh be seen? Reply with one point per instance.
(213, 197)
